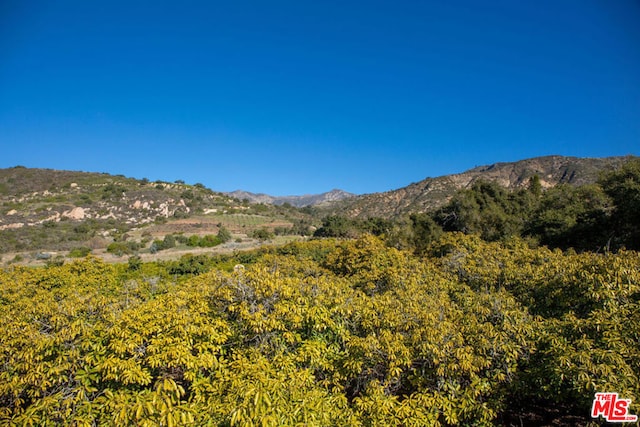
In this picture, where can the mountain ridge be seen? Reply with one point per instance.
(294, 200)
(431, 193)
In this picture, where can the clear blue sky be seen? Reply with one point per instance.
(294, 97)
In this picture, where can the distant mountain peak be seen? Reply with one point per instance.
(298, 201)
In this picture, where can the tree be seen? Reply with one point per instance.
(223, 235)
(169, 241)
(425, 230)
(535, 187)
(572, 217)
(486, 209)
(193, 240)
(209, 241)
(623, 186)
(120, 248)
(262, 234)
(134, 263)
(336, 226)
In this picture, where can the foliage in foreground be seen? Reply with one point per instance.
(321, 333)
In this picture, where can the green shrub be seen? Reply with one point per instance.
(223, 235)
(262, 234)
(55, 262)
(209, 241)
(122, 248)
(134, 263)
(79, 252)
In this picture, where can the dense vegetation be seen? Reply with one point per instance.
(478, 313)
(322, 333)
(595, 217)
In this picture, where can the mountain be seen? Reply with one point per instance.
(431, 193)
(297, 201)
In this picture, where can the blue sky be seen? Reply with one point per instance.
(295, 97)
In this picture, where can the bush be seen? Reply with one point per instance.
(118, 248)
(122, 248)
(282, 231)
(168, 242)
(134, 263)
(79, 252)
(337, 332)
(189, 265)
(223, 235)
(55, 262)
(262, 234)
(209, 241)
(193, 240)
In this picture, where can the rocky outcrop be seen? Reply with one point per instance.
(76, 213)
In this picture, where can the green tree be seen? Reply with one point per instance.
(79, 252)
(209, 241)
(623, 186)
(134, 263)
(570, 216)
(487, 209)
(424, 231)
(336, 226)
(119, 248)
(223, 235)
(262, 234)
(193, 240)
(169, 241)
(535, 187)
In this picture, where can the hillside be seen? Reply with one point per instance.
(322, 199)
(43, 209)
(36, 196)
(431, 193)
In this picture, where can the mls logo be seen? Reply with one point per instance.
(613, 410)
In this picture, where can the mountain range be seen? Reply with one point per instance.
(322, 199)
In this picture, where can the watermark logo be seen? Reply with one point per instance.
(612, 408)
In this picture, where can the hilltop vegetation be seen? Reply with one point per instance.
(322, 333)
(46, 210)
